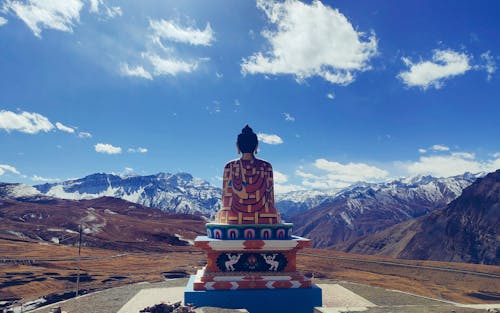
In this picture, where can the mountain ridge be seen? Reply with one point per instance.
(466, 230)
(368, 208)
(179, 192)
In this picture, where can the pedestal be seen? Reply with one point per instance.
(252, 267)
(281, 300)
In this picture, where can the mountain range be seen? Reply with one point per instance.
(466, 230)
(331, 218)
(363, 209)
(179, 193)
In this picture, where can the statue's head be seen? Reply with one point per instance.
(247, 141)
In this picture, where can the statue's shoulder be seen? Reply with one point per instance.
(263, 163)
(231, 163)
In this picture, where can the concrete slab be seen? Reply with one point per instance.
(152, 296)
(335, 295)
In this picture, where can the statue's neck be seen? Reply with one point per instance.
(247, 156)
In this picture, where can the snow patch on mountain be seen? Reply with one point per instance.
(366, 208)
(180, 193)
(17, 190)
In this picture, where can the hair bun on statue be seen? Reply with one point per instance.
(247, 130)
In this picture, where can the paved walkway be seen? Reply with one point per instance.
(152, 296)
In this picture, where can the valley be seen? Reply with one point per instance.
(125, 242)
(30, 270)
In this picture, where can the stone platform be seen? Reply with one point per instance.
(279, 300)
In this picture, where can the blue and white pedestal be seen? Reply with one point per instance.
(288, 300)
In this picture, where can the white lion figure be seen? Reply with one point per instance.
(270, 260)
(233, 259)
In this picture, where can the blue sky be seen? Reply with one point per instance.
(339, 91)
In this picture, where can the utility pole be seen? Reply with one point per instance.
(79, 251)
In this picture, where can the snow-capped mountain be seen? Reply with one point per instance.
(367, 208)
(465, 231)
(328, 216)
(14, 191)
(179, 192)
(295, 202)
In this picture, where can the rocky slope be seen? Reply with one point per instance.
(106, 222)
(467, 230)
(368, 208)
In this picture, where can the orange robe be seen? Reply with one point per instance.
(248, 193)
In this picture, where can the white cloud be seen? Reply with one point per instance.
(107, 148)
(421, 150)
(170, 66)
(280, 188)
(490, 65)
(100, 7)
(25, 122)
(311, 40)
(47, 14)
(323, 181)
(127, 171)
(351, 172)
(64, 128)
(449, 165)
(444, 64)
(464, 155)
(496, 155)
(270, 139)
(170, 30)
(330, 96)
(137, 71)
(7, 168)
(280, 185)
(94, 5)
(214, 107)
(440, 148)
(137, 150)
(161, 56)
(44, 179)
(334, 175)
(288, 117)
(84, 135)
(279, 177)
(3, 21)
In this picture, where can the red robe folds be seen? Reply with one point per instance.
(248, 194)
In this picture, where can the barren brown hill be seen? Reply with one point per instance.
(106, 222)
(467, 230)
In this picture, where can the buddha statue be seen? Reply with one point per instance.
(251, 253)
(247, 189)
(248, 210)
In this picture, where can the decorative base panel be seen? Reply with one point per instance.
(280, 300)
(204, 281)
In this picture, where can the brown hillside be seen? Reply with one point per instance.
(467, 230)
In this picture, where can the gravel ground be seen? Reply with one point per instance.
(109, 300)
(384, 297)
